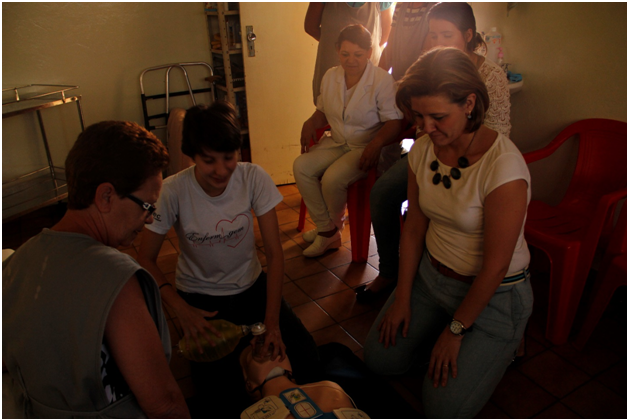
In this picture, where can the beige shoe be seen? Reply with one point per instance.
(310, 236)
(321, 244)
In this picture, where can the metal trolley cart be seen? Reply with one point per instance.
(167, 68)
(46, 185)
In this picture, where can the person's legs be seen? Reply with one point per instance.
(386, 198)
(426, 324)
(485, 353)
(335, 182)
(308, 168)
(300, 347)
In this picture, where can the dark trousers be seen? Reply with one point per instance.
(222, 381)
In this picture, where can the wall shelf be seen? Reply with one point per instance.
(225, 38)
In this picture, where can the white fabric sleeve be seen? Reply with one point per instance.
(265, 194)
(386, 99)
(506, 168)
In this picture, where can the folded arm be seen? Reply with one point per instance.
(387, 135)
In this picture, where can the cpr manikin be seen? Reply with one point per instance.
(279, 397)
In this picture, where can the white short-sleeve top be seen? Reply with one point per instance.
(218, 254)
(456, 229)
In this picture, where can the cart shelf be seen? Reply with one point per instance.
(48, 184)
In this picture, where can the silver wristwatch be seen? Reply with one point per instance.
(457, 328)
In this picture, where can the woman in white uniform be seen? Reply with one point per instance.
(357, 101)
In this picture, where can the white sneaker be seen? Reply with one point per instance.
(321, 244)
(310, 236)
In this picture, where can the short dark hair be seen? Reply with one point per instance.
(213, 127)
(460, 15)
(447, 72)
(121, 153)
(357, 34)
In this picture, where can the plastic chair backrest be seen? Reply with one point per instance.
(601, 167)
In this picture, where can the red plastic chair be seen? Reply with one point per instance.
(612, 275)
(570, 232)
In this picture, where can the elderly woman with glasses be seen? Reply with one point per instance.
(463, 296)
(84, 333)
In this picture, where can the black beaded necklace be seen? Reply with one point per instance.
(455, 173)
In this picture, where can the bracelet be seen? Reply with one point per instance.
(163, 285)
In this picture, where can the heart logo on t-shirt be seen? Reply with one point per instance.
(233, 231)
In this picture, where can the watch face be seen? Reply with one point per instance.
(456, 327)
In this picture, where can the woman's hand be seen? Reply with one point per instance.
(444, 358)
(396, 315)
(370, 157)
(307, 136)
(193, 322)
(273, 337)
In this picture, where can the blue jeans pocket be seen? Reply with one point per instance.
(507, 312)
(522, 301)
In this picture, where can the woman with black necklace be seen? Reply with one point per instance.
(450, 24)
(463, 296)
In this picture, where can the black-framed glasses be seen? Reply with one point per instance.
(145, 205)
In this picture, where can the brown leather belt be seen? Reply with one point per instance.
(445, 270)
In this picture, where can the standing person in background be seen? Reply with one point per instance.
(450, 25)
(407, 37)
(84, 333)
(324, 21)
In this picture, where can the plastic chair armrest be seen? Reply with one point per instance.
(550, 148)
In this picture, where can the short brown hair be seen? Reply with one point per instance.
(357, 34)
(121, 153)
(213, 127)
(447, 72)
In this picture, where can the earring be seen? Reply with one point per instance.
(469, 115)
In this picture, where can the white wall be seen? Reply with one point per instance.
(573, 60)
(102, 47)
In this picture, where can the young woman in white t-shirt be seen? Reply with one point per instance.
(212, 206)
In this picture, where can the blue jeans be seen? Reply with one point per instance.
(485, 353)
(386, 197)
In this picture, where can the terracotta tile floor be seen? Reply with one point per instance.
(550, 382)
